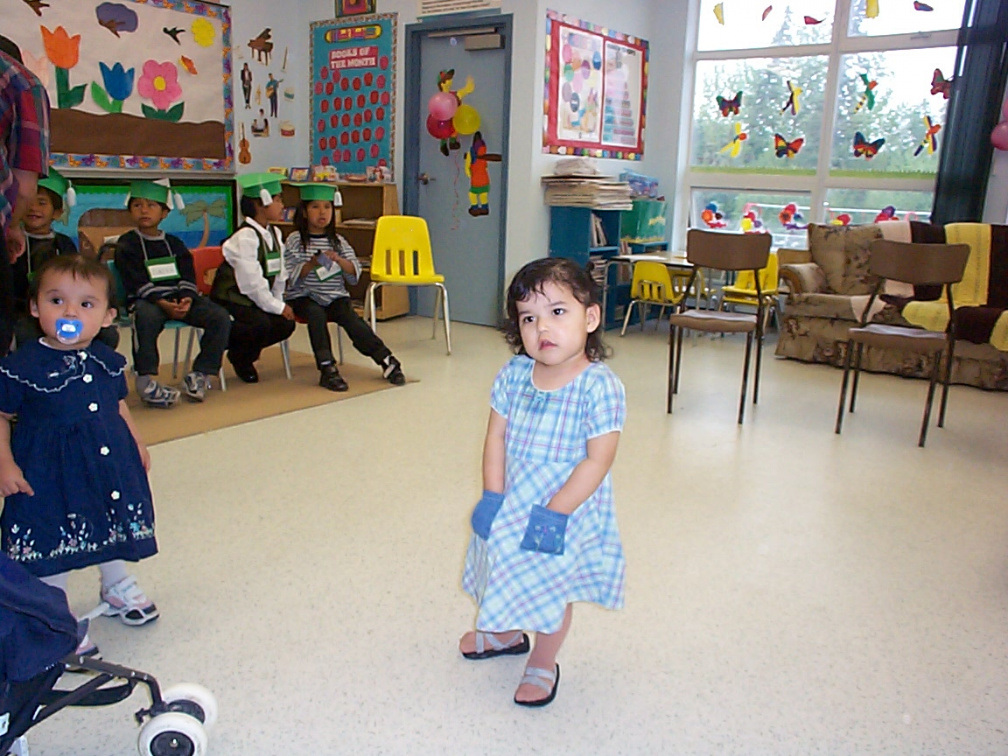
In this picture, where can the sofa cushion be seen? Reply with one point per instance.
(842, 253)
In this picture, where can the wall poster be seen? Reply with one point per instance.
(142, 84)
(595, 90)
(353, 67)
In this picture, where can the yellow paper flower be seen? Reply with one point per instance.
(203, 32)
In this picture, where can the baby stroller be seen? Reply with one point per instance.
(38, 638)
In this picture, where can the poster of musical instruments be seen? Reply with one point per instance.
(134, 84)
(595, 90)
(353, 95)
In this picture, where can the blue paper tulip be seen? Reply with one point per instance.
(118, 81)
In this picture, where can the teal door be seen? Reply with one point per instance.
(455, 159)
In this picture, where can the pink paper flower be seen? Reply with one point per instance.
(159, 83)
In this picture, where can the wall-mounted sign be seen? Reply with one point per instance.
(441, 7)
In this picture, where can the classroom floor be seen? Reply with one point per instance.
(789, 591)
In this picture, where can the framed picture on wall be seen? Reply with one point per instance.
(354, 7)
(300, 173)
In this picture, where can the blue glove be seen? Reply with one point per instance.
(545, 531)
(484, 513)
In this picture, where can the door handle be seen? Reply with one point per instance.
(424, 179)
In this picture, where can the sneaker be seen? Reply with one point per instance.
(392, 371)
(196, 386)
(158, 395)
(331, 379)
(127, 602)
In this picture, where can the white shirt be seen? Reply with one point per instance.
(242, 252)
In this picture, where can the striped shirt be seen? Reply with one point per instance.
(24, 126)
(322, 291)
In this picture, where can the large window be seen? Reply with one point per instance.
(820, 110)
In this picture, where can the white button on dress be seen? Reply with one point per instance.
(88, 378)
(115, 496)
(93, 406)
(104, 451)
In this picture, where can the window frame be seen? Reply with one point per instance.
(818, 184)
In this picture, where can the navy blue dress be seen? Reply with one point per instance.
(92, 501)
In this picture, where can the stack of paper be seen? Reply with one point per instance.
(600, 192)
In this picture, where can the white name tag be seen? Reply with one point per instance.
(326, 273)
(273, 265)
(163, 271)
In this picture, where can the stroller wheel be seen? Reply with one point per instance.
(172, 734)
(194, 700)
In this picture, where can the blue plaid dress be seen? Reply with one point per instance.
(547, 435)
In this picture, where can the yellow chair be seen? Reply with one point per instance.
(654, 284)
(402, 257)
(743, 291)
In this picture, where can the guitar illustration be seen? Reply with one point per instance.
(244, 156)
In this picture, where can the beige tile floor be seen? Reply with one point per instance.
(788, 591)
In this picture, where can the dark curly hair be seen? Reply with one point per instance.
(78, 266)
(561, 272)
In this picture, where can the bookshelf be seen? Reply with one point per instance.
(363, 204)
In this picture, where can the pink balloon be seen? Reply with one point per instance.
(442, 106)
(999, 137)
(439, 129)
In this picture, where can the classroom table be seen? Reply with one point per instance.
(672, 260)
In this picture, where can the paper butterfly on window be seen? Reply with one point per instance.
(868, 96)
(864, 148)
(712, 217)
(790, 216)
(871, 9)
(930, 139)
(941, 85)
(784, 148)
(809, 21)
(766, 12)
(887, 213)
(719, 13)
(734, 147)
(792, 101)
(840, 220)
(922, 6)
(729, 106)
(751, 223)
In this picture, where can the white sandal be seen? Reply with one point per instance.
(541, 678)
(519, 644)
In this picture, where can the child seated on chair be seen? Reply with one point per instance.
(54, 193)
(251, 281)
(157, 273)
(317, 260)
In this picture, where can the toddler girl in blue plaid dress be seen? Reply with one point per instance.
(544, 531)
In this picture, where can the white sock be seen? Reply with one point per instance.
(113, 572)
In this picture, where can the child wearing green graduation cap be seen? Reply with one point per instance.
(55, 192)
(319, 264)
(251, 281)
(160, 281)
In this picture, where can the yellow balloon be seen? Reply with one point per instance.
(466, 119)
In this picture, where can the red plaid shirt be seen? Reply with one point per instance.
(24, 129)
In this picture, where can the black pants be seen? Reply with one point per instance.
(341, 312)
(149, 320)
(253, 330)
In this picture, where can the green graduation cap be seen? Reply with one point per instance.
(262, 186)
(314, 190)
(59, 185)
(156, 191)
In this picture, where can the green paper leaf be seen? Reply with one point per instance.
(101, 98)
(75, 96)
(175, 113)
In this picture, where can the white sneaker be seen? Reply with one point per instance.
(127, 602)
(158, 395)
(196, 386)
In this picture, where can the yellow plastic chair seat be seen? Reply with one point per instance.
(419, 280)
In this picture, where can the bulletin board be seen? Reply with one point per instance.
(595, 90)
(353, 94)
(142, 84)
(100, 212)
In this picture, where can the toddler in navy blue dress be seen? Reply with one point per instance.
(72, 468)
(544, 531)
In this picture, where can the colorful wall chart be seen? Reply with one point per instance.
(595, 90)
(353, 94)
(133, 84)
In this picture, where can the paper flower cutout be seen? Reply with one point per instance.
(159, 84)
(203, 32)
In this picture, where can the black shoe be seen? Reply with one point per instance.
(247, 373)
(392, 371)
(330, 378)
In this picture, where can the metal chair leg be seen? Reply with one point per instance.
(745, 375)
(671, 369)
(626, 318)
(843, 388)
(447, 318)
(680, 332)
(759, 359)
(857, 374)
(178, 337)
(285, 353)
(947, 381)
(930, 398)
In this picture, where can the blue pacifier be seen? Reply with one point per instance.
(68, 330)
